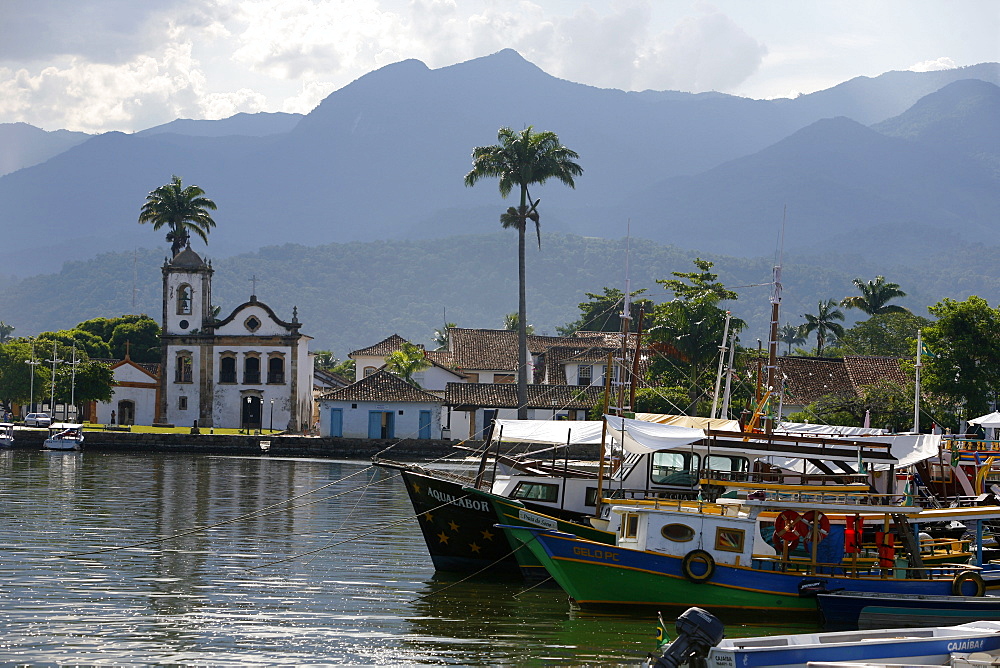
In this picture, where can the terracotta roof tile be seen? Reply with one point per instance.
(504, 395)
(809, 378)
(381, 386)
(384, 347)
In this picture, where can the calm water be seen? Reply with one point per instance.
(274, 574)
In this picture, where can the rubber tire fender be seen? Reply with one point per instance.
(702, 556)
(968, 576)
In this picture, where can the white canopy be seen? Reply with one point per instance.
(555, 432)
(642, 437)
(990, 421)
(820, 430)
(717, 424)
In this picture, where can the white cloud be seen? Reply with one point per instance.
(943, 63)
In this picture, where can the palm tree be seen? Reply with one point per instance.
(823, 323)
(875, 296)
(441, 336)
(5, 331)
(406, 361)
(182, 210)
(792, 336)
(523, 159)
(510, 323)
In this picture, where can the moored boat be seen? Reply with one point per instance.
(6, 435)
(845, 610)
(64, 436)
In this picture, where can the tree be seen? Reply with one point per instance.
(603, 313)
(441, 336)
(327, 361)
(884, 335)
(181, 210)
(875, 297)
(5, 331)
(687, 331)
(522, 159)
(964, 364)
(510, 323)
(791, 335)
(406, 361)
(824, 323)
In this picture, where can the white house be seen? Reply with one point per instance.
(380, 405)
(249, 370)
(433, 379)
(134, 394)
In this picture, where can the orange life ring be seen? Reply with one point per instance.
(822, 528)
(789, 527)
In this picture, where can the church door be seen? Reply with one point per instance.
(126, 412)
(251, 412)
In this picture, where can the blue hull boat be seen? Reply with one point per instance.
(842, 610)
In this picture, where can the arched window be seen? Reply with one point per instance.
(184, 299)
(182, 372)
(227, 368)
(251, 370)
(276, 369)
(369, 370)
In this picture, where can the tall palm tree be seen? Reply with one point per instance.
(875, 296)
(406, 361)
(522, 159)
(823, 323)
(182, 210)
(791, 336)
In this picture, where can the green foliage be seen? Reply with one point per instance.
(140, 332)
(824, 323)
(406, 361)
(327, 361)
(701, 284)
(86, 343)
(441, 336)
(182, 210)
(965, 367)
(875, 297)
(510, 323)
(5, 331)
(603, 312)
(883, 335)
(790, 335)
(667, 400)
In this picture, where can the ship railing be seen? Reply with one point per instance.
(860, 567)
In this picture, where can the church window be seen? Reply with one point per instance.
(276, 369)
(184, 300)
(251, 370)
(182, 372)
(252, 323)
(227, 368)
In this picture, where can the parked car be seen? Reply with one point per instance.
(37, 420)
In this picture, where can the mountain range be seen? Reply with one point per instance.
(384, 157)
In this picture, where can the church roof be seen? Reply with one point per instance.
(187, 258)
(381, 386)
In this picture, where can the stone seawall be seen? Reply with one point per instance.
(294, 446)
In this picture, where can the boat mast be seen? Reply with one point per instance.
(916, 386)
(772, 339)
(722, 357)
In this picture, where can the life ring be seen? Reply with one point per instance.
(968, 576)
(822, 528)
(789, 527)
(698, 556)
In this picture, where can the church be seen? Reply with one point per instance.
(249, 370)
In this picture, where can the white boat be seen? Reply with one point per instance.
(64, 436)
(699, 634)
(6, 435)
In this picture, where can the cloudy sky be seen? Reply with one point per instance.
(98, 65)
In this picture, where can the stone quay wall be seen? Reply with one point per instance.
(281, 445)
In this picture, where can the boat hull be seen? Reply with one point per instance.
(600, 577)
(852, 610)
(61, 444)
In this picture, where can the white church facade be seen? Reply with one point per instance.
(249, 370)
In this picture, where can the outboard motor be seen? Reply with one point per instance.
(697, 632)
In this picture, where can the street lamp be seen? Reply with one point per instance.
(33, 363)
(271, 426)
(52, 390)
(246, 415)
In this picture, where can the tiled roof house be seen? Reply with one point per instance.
(380, 405)
(807, 379)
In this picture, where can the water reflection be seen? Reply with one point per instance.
(230, 593)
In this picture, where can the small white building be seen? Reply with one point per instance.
(134, 395)
(380, 405)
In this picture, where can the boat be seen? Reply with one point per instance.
(699, 641)
(743, 554)
(64, 436)
(6, 435)
(846, 610)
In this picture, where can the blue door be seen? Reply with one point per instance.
(336, 422)
(488, 417)
(381, 424)
(425, 425)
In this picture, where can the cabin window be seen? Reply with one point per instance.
(182, 373)
(184, 300)
(728, 468)
(630, 525)
(536, 491)
(729, 539)
(584, 374)
(675, 468)
(590, 497)
(679, 533)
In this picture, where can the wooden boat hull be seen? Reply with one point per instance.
(853, 610)
(598, 576)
